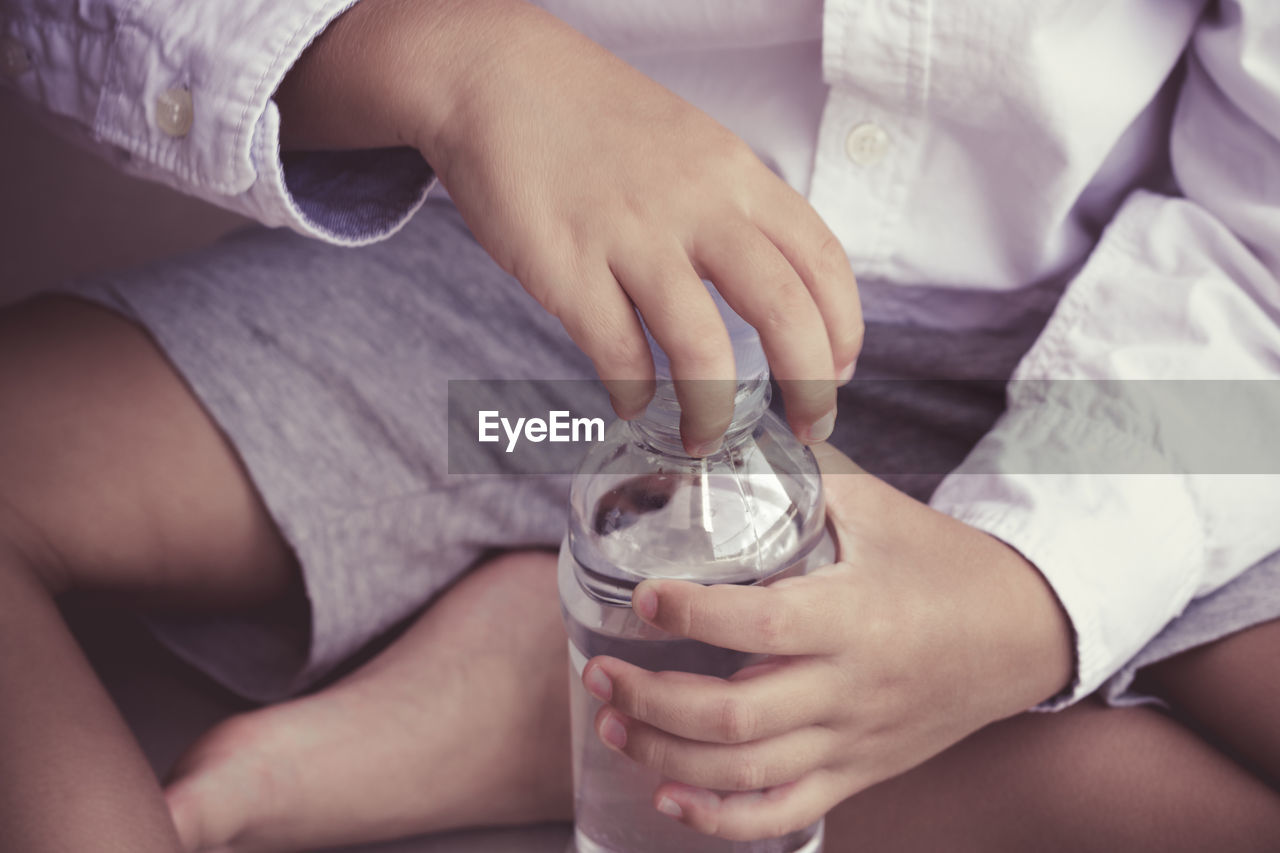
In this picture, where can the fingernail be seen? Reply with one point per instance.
(847, 374)
(645, 602)
(598, 684)
(707, 448)
(613, 732)
(822, 428)
(670, 807)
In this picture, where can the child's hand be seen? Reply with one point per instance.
(926, 631)
(604, 194)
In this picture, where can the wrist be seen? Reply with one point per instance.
(1027, 638)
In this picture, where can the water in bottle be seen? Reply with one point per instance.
(642, 508)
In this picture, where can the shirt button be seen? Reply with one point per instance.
(14, 59)
(174, 112)
(866, 144)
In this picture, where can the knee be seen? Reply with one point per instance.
(1136, 779)
(1229, 691)
(1088, 778)
(24, 544)
(23, 548)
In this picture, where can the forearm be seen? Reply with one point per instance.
(392, 72)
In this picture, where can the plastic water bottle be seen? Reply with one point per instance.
(642, 508)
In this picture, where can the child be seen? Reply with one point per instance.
(256, 431)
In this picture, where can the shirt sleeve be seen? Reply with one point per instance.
(181, 93)
(1134, 497)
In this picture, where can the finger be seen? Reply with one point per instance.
(763, 288)
(786, 697)
(605, 327)
(852, 497)
(832, 461)
(817, 256)
(725, 767)
(800, 617)
(752, 816)
(683, 319)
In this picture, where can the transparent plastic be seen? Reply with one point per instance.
(640, 508)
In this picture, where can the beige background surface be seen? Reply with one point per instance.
(65, 213)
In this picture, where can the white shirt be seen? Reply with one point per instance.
(970, 145)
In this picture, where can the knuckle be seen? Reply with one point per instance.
(789, 305)
(733, 153)
(687, 619)
(852, 336)
(830, 260)
(27, 544)
(772, 627)
(736, 720)
(629, 698)
(658, 754)
(576, 235)
(777, 320)
(543, 281)
(633, 207)
(651, 702)
(746, 773)
(780, 825)
(790, 314)
(644, 748)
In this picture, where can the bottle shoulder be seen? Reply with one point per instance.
(736, 516)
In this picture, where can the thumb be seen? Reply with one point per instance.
(832, 461)
(846, 487)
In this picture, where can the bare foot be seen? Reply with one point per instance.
(462, 721)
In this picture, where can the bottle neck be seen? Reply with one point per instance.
(659, 426)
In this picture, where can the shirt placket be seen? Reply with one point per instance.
(876, 60)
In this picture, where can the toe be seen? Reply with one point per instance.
(221, 787)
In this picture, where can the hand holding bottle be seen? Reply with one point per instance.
(926, 631)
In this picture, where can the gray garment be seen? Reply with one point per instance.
(327, 370)
(325, 367)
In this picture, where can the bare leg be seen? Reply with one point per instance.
(462, 721)
(1088, 778)
(437, 733)
(1230, 691)
(111, 478)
